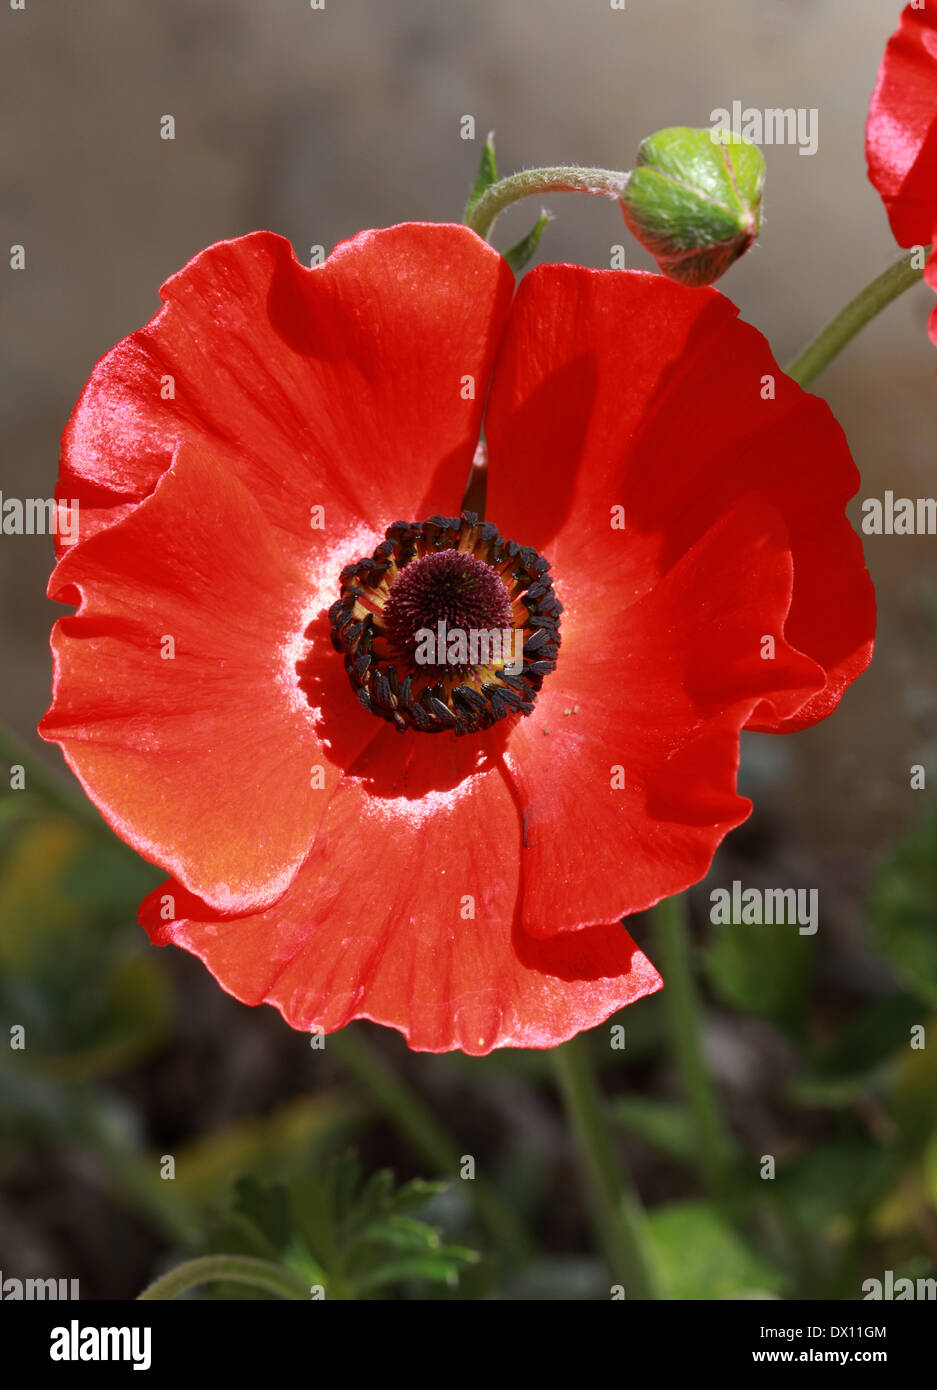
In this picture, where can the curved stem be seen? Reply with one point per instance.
(681, 1002)
(831, 340)
(237, 1269)
(607, 183)
(616, 1207)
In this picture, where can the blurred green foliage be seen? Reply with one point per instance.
(763, 970)
(353, 1236)
(904, 909)
(90, 1013)
(88, 998)
(699, 1254)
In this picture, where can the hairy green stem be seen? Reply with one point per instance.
(681, 1003)
(237, 1269)
(831, 340)
(615, 1206)
(607, 183)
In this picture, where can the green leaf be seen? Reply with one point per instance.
(431, 1271)
(486, 176)
(416, 1193)
(267, 1208)
(403, 1233)
(358, 1231)
(762, 969)
(667, 1126)
(698, 1255)
(520, 253)
(903, 909)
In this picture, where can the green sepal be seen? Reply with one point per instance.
(520, 253)
(486, 176)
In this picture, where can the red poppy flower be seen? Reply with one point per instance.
(901, 133)
(458, 867)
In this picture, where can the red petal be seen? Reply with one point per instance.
(202, 762)
(901, 133)
(661, 692)
(338, 386)
(621, 388)
(377, 924)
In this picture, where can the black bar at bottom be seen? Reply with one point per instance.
(274, 1338)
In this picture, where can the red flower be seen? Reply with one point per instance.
(465, 890)
(901, 133)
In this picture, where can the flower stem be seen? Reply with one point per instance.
(419, 1126)
(237, 1269)
(831, 340)
(681, 1002)
(607, 183)
(616, 1207)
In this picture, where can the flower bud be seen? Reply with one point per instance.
(694, 201)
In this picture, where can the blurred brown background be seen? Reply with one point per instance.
(316, 123)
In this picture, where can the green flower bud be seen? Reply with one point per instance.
(694, 201)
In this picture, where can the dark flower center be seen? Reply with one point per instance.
(452, 587)
(447, 625)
